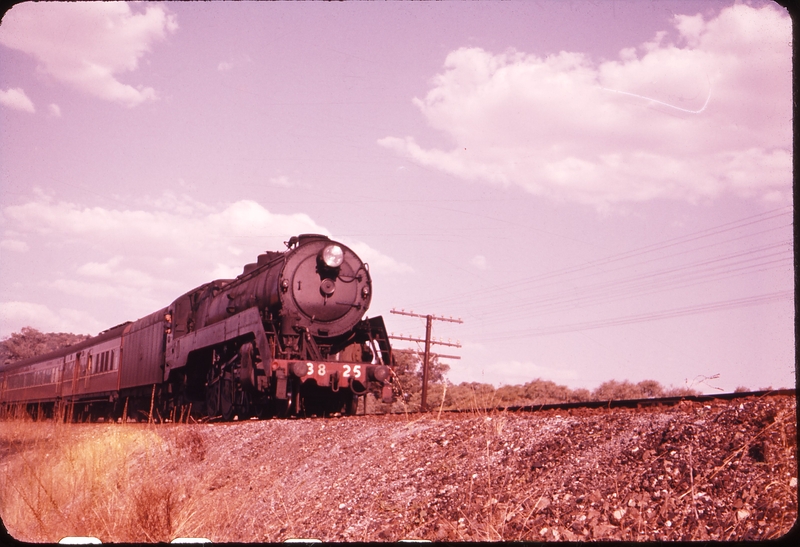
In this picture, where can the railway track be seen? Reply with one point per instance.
(651, 402)
(609, 404)
(621, 403)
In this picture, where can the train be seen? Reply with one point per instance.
(287, 337)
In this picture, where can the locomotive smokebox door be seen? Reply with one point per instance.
(320, 297)
(326, 284)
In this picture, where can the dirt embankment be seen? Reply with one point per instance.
(719, 471)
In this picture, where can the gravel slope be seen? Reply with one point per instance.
(694, 472)
(718, 471)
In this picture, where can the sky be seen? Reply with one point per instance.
(598, 190)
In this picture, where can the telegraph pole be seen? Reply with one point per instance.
(428, 341)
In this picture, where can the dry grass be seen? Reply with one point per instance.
(106, 481)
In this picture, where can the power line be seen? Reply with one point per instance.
(703, 271)
(422, 353)
(645, 273)
(653, 316)
(558, 275)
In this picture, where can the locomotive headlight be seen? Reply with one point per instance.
(332, 256)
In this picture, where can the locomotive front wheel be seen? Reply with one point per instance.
(243, 407)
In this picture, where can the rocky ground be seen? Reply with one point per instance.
(717, 471)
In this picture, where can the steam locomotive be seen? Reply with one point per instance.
(286, 337)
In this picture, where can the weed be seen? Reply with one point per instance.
(154, 507)
(70, 479)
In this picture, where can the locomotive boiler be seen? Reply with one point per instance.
(286, 337)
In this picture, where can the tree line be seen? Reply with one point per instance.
(477, 395)
(29, 342)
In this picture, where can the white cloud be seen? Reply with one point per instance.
(479, 261)
(134, 290)
(17, 99)
(182, 204)
(144, 258)
(690, 118)
(195, 235)
(111, 271)
(225, 271)
(54, 110)
(14, 245)
(230, 64)
(15, 315)
(140, 300)
(379, 262)
(89, 44)
(282, 181)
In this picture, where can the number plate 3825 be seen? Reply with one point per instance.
(350, 371)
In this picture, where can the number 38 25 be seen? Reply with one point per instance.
(320, 370)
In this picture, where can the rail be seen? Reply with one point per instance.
(632, 403)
